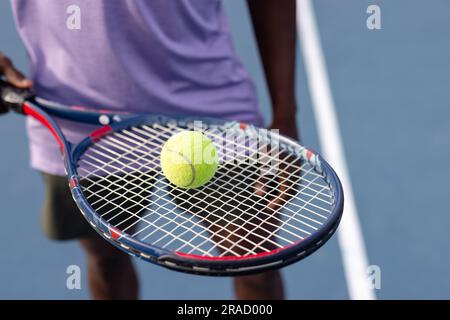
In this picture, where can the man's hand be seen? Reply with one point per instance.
(280, 189)
(13, 76)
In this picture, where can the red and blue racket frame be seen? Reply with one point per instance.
(26, 103)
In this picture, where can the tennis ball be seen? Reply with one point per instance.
(189, 159)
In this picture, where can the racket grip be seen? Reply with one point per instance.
(12, 98)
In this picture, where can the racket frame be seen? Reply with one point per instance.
(226, 265)
(41, 110)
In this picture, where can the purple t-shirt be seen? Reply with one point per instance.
(158, 56)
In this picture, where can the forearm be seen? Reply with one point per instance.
(275, 31)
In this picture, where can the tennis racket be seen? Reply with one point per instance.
(272, 202)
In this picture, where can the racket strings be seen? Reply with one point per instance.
(272, 179)
(146, 218)
(134, 215)
(292, 165)
(227, 175)
(288, 190)
(264, 154)
(237, 222)
(162, 227)
(158, 228)
(296, 169)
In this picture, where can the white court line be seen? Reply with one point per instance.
(350, 237)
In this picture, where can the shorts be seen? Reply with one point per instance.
(60, 217)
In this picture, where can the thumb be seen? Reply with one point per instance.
(12, 75)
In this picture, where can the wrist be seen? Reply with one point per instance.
(284, 114)
(286, 125)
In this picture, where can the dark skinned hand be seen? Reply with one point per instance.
(281, 189)
(13, 76)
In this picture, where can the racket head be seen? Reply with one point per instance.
(192, 259)
(229, 261)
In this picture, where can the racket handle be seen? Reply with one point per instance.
(12, 98)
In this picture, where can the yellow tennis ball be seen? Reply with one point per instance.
(189, 159)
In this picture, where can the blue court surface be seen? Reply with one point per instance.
(391, 94)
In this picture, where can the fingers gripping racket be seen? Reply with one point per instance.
(272, 202)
